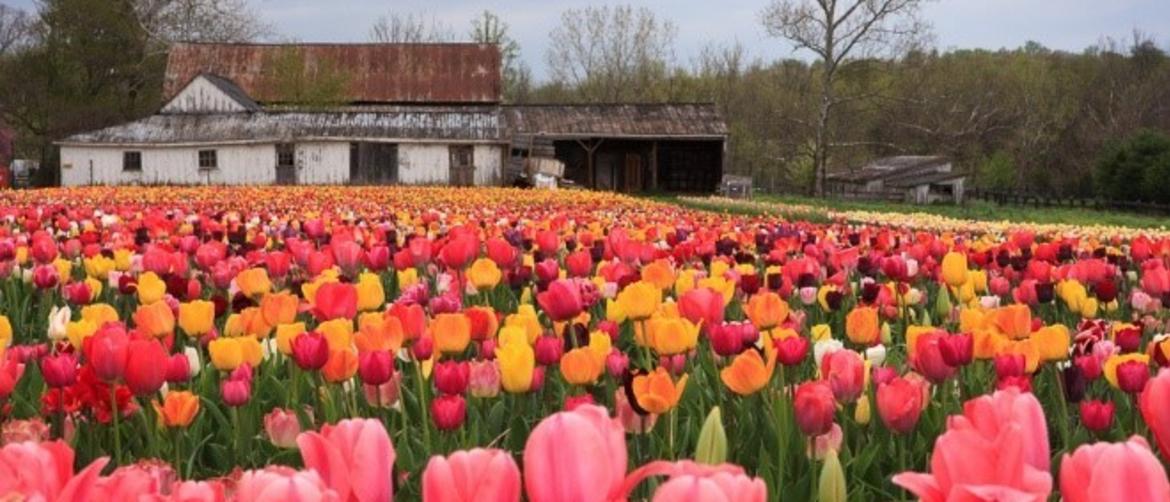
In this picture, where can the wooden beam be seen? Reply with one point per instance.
(654, 166)
(590, 165)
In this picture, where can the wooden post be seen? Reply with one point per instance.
(654, 166)
(589, 160)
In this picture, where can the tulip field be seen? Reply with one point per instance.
(486, 344)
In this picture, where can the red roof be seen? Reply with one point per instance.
(375, 73)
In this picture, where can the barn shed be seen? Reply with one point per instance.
(385, 113)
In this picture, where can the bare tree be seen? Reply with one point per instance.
(410, 29)
(16, 29)
(489, 29)
(170, 21)
(841, 33)
(610, 54)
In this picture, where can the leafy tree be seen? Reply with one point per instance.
(1137, 168)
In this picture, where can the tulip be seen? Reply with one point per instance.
(702, 306)
(549, 350)
(671, 335)
(639, 300)
(253, 282)
(1113, 471)
(552, 467)
(1154, 403)
(766, 310)
(863, 326)
(900, 403)
(310, 351)
(562, 300)
(748, 372)
(449, 411)
(502, 252)
(815, 407)
(582, 366)
(335, 300)
(155, 319)
(517, 364)
(44, 471)
(657, 392)
(279, 308)
(146, 366)
(451, 377)
(422, 348)
(375, 367)
(487, 475)
(107, 351)
(451, 332)
(1097, 416)
(282, 427)
(928, 359)
(178, 409)
(484, 274)
(59, 370)
(355, 457)
(791, 351)
(579, 264)
(235, 392)
(957, 349)
(341, 366)
(226, 353)
(954, 269)
(277, 483)
(459, 250)
(484, 379)
(10, 372)
(150, 288)
(845, 372)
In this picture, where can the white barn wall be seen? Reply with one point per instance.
(201, 96)
(322, 163)
(423, 164)
(487, 160)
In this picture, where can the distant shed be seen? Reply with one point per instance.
(677, 147)
(917, 179)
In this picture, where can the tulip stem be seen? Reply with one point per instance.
(114, 416)
(420, 382)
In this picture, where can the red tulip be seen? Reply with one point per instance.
(702, 305)
(10, 372)
(349, 256)
(579, 263)
(378, 258)
(278, 263)
(412, 318)
(1154, 402)
(310, 351)
(375, 367)
(335, 300)
(502, 252)
(844, 370)
(792, 350)
(451, 377)
(355, 457)
(478, 475)
(59, 370)
(45, 276)
(928, 357)
(107, 351)
(727, 338)
(459, 250)
(422, 348)
(1132, 376)
(178, 369)
(1096, 415)
(547, 270)
(1113, 471)
(548, 350)
(562, 300)
(957, 349)
(449, 411)
(146, 366)
(815, 407)
(553, 466)
(548, 241)
(899, 404)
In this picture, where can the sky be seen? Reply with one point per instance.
(1070, 25)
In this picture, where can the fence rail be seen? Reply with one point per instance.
(1039, 199)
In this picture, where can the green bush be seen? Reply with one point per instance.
(1135, 169)
(997, 172)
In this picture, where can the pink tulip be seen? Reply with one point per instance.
(45, 471)
(575, 456)
(354, 457)
(1154, 402)
(1113, 471)
(478, 475)
(996, 450)
(128, 483)
(279, 484)
(197, 491)
(702, 305)
(690, 481)
(282, 427)
(845, 372)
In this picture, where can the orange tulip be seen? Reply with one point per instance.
(253, 282)
(657, 392)
(342, 366)
(1052, 342)
(178, 409)
(279, 308)
(451, 332)
(863, 326)
(660, 273)
(155, 319)
(1014, 321)
(252, 322)
(378, 333)
(580, 367)
(766, 310)
(748, 372)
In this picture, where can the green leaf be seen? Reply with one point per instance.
(832, 482)
(712, 446)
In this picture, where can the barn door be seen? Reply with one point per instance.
(286, 164)
(373, 163)
(633, 173)
(462, 170)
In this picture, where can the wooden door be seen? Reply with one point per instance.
(633, 173)
(462, 167)
(373, 163)
(286, 164)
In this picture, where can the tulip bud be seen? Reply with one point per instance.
(60, 370)
(375, 367)
(282, 427)
(448, 412)
(451, 377)
(422, 348)
(832, 480)
(862, 413)
(548, 350)
(1132, 376)
(310, 351)
(712, 445)
(235, 392)
(1097, 416)
(178, 369)
(616, 363)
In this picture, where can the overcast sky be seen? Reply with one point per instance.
(1060, 24)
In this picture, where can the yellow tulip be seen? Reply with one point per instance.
(640, 300)
(285, 334)
(338, 333)
(253, 282)
(1052, 342)
(99, 313)
(150, 288)
(5, 331)
(98, 266)
(123, 259)
(197, 317)
(954, 269)
(369, 291)
(451, 332)
(484, 274)
(78, 331)
(517, 364)
(671, 335)
(226, 353)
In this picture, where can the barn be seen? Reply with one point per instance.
(379, 114)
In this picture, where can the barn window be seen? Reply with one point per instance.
(131, 161)
(208, 160)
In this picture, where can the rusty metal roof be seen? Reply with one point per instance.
(374, 73)
(672, 120)
(455, 123)
(894, 168)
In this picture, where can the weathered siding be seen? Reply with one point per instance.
(322, 163)
(237, 165)
(423, 164)
(201, 96)
(487, 164)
